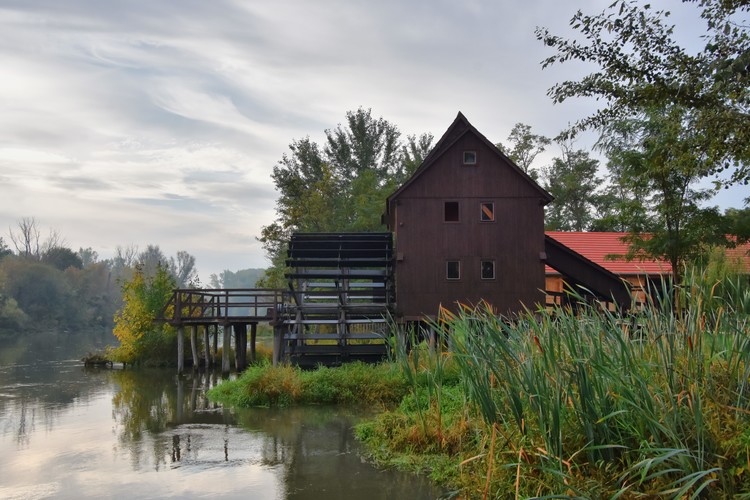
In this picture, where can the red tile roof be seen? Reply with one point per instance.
(597, 246)
(740, 252)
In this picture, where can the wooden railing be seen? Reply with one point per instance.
(222, 306)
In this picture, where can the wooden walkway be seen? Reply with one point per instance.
(234, 309)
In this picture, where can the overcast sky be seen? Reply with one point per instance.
(136, 122)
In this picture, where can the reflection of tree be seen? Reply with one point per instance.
(40, 394)
(150, 407)
(155, 400)
(316, 447)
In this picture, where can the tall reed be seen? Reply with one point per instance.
(652, 401)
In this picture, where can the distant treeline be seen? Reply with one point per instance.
(46, 286)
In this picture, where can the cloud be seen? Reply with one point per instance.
(133, 121)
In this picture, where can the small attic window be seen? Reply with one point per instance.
(470, 157)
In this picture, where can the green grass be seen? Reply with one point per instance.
(588, 403)
(353, 383)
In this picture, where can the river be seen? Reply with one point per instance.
(71, 432)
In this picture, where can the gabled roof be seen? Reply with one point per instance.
(458, 129)
(598, 246)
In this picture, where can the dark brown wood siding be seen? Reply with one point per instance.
(424, 242)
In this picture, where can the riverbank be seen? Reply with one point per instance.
(586, 404)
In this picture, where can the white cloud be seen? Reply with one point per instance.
(132, 121)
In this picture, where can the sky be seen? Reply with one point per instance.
(136, 122)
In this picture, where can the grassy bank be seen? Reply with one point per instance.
(558, 403)
(354, 383)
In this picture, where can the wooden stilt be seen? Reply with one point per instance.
(278, 344)
(253, 335)
(240, 346)
(243, 347)
(194, 345)
(206, 347)
(216, 340)
(225, 348)
(432, 342)
(237, 335)
(180, 349)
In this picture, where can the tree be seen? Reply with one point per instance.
(62, 258)
(365, 144)
(151, 260)
(4, 249)
(183, 269)
(41, 292)
(641, 66)
(524, 147)
(26, 237)
(144, 297)
(244, 278)
(738, 221)
(414, 152)
(341, 186)
(96, 293)
(663, 160)
(572, 180)
(123, 262)
(621, 205)
(88, 256)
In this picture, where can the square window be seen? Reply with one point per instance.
(487, 212)
(453, 270)
(470, 157)
(488, 270)
(451, 211)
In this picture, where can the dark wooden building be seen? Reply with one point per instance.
(468, 226)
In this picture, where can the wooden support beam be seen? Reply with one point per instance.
(194, 346)
(180, 349)
(216, 340)
(240, 346)
(206, 347)
(253, 335)
(225, 348)
(278, 344)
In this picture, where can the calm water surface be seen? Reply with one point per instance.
(70, 432)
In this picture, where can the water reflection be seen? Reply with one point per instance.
(73, 433)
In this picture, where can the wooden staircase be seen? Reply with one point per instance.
(341, 297)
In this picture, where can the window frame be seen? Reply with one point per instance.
(447, 270)
(472, 153)
(482, 214)
(481, 269)
(445, 212)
